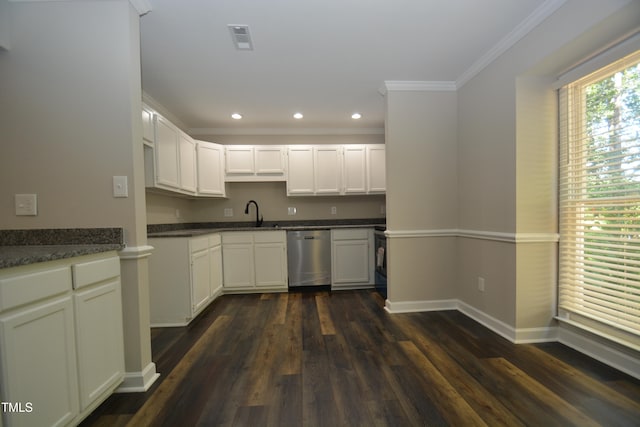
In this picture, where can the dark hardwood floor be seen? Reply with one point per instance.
(338, 359)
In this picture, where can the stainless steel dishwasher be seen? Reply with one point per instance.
(309, 257)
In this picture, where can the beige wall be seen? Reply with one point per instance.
(507, 162)
(272, 199)
(70, 94)
(421, 154)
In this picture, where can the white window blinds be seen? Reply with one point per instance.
(599, 280)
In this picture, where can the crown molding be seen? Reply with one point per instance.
(416, 86)
(545, 10)
(141, 6)
(285, 131)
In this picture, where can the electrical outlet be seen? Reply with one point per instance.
(334, 210)
(481, 284)
(228, 212)
(177, 213)
(291, 210)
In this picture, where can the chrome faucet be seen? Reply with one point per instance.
(259, 219)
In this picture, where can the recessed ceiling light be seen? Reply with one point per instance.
(298, 116)
(356, 116)
(236, 116)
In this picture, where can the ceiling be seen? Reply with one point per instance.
(326, 59)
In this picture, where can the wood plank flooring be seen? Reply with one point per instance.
(338, 359)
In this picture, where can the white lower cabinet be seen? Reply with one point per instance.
(254, 261)
(352, 263)
(184, 277)
(61, 339)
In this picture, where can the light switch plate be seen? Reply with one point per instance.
(26, 204)
(228, 212)
(120, 186)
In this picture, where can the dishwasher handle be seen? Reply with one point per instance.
(309, 237)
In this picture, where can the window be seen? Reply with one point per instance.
(599, 277)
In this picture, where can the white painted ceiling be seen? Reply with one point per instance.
(325, 58)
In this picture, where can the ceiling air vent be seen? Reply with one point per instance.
(241, 37)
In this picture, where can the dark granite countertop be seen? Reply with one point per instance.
(23, 247)
(13, 256)
(199, 229)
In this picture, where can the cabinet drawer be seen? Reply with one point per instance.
(198, 244)
(91, 272)
(270, 236)
(237, 237)
(30, 287)
(350, 234)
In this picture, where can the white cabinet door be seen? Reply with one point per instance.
(187, 163)
(38, 355)
(269, 160)
(351, 261)
(147, 125)
(300, 179)
(200, 280)
(210, 168)
(166, 153)
(237, 265)
(239, 159)
(376, 172)
(215, 264)
(327, 170)
(270, 264)
(355, 176)
(99, 339)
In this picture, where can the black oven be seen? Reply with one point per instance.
(380, 256)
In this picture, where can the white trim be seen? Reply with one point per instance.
(525, 27)
(476, 234)
(620, 48)
(497, 326)
(408, 234)
(285, 131)
(141, 6)
(628, 364)
(416, 86)
(135, 382)
(135, 252)
(419, 306)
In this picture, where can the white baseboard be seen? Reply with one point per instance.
(610, 356)
(418, 306)
(135, 382)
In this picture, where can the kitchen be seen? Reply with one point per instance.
(71, 105)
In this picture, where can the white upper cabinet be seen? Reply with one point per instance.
(239, 160)
(335, 170)
(170, 161)
(327, 169)
(187, 163)
(269, 161)
(255, 163)
(300, 181)
(355, 169)
(376, 169)
(210, 167)
(165, 151)
(147, 125)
